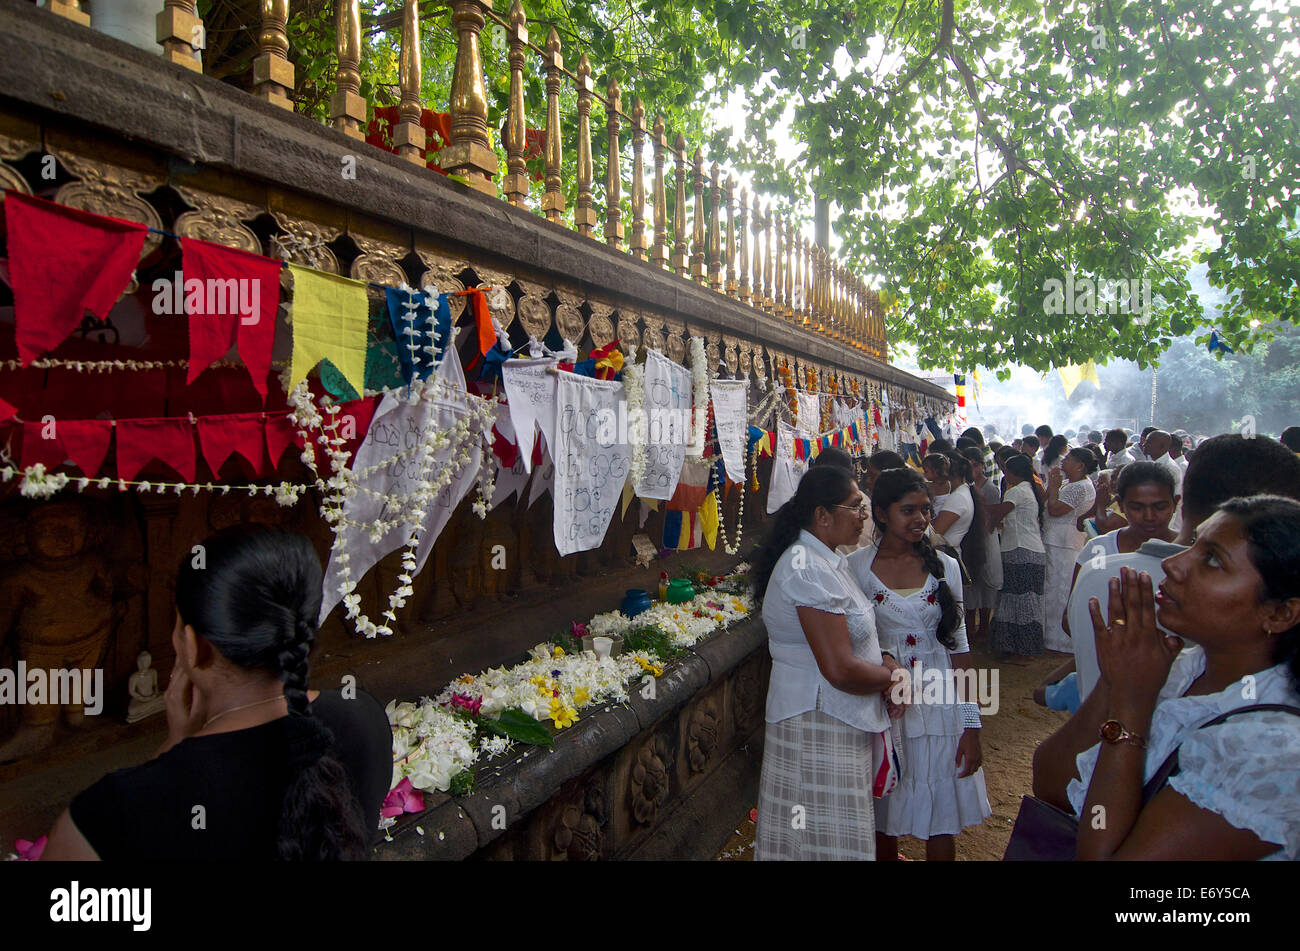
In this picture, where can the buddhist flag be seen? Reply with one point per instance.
(1072, 376)
(330, 315)
(682, 529)
(960, 380)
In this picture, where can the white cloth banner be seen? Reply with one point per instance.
(786, 469)
(810, 412)
(543, 478)
(668, 422)
(399, 426)
(730, 408)
(530, 393)
(592, 459)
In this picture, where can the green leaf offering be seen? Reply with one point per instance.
(517, 725)
(462, 784)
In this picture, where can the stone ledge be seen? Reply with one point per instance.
(54, 68)
(526, 781)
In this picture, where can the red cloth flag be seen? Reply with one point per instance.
(37, 449)
(63, 262)
(487, 337)
(140, 440)
(280, 433)
(256, 287)
(86, 442)
(7, 410)
(221, 436)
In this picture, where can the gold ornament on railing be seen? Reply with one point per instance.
(470, 152)
(553, 200)
(347, 108)
(180, 31)
(778, 293)
(516, 180)
(715, 230)
(273, 77)
(744, 288)
(638, 181)
(408, 135)
(659, 251)
(613, 174)
(790, 237)
(681, 256)
(729, 196)
(698, 236)
(584, 216)
(769, 290)
(69, 10)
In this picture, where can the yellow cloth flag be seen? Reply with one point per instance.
(709, 520)
(1073, 375)
(627, 496)
(330, 314)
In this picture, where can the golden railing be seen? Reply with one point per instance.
(763, 261)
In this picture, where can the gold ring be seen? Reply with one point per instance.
(1118, 620)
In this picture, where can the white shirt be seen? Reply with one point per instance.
(1093, 582)
(959, 503)
(1020, 525)
(1175, 523)
(1061, 531)
(808, 574)
(1246, 769)
(1121, 458)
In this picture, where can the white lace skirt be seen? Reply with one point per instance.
(929, 798)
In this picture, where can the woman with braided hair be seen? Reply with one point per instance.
(917, 595)
(827, 735)
(255, 765)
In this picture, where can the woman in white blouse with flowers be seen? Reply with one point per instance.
(827, 749)
(917, 596)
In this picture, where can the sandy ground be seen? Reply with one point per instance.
(1008, 739)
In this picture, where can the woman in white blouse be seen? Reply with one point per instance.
(1017, 631)
(1070, 494)
(827, 731)
(1235, 794)
(917, 594)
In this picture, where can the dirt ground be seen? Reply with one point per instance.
(1008, 739)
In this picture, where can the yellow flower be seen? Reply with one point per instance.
(563, 714)
(558, 652)
(465, 679)
(581, 696)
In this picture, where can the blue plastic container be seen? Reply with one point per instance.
(636, 601)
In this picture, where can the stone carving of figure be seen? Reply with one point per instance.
(58, 607)
(146, 699)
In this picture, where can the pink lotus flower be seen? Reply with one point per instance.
(578, 630)
(30, 851)
(402, 798)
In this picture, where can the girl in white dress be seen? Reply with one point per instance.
(916, 592)
(1069, 495)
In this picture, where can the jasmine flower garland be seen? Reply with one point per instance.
(699, 399)
(634, 393)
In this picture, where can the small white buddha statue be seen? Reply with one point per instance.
(146, 700)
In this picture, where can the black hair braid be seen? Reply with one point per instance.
(951, 617)
(292, 662)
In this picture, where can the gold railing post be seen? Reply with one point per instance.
(553, 200)
(638, 181)
(273, 78)
(584, 216)
(768, 289)
(789, 268)
(613, 173)
(805, 305)
(408, 135)
(347, 108)
(715, 229)
(516, 183)
(659, 251)
(69, 10)
(729, 193)
(744, 247)
(681, 257)
(698, 237)
(470, 152)
(756, 226)
(180, 31)
(778, 276)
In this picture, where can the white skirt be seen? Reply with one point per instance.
(1056, 594)
(929, 798)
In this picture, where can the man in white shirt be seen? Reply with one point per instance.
(1177, 449)
(1225, 467)
(1116, 446)
(1157, 447)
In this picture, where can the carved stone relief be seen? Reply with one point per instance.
(443, 274)
(110, 190)
(746, 359)
(731, 354)
(652, 336)
(11, 148)
(304, 242)
(578, 834)
(702, 734)
(629, 331)
(568, 318)
(218, 219)
(378, 262)
(675, 343)
(648, 782)
(602, 324)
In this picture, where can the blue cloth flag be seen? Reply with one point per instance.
(423, 322)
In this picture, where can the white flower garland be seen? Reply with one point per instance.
(38, 484)
(699, 399)
(634, 393)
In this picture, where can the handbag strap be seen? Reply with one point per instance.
(1170, 766)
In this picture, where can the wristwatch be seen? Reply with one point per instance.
(1112, 731)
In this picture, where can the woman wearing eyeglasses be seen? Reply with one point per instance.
(827, 735)
(917, 596)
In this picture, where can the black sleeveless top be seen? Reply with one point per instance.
(151, 811)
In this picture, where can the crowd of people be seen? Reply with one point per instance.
(1164, 570)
